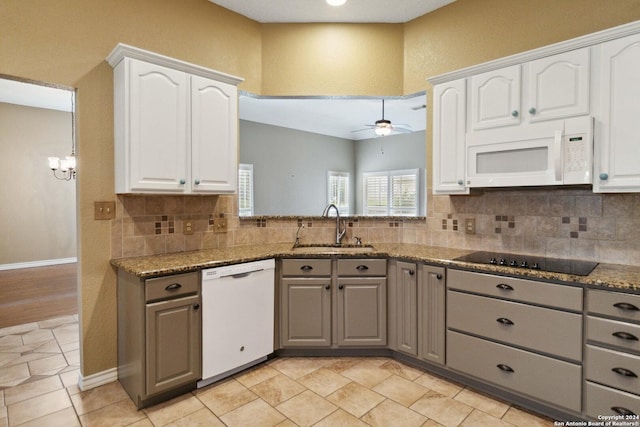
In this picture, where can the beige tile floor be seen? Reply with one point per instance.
(39, 371)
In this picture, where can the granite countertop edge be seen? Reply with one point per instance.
(610, 276)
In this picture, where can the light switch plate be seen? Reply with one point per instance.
(104, 210)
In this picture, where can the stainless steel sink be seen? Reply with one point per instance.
(333, 249)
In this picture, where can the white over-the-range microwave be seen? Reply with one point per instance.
(558, 152)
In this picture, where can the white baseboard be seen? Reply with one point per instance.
(98, 379)
(42, 263)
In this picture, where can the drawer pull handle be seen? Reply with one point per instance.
(626, 306)
(306, 268)
(504, 321)
(624, 372)
(625, 336)
(362, 267)
(505, 368)
(173, 287)
(621, 411)
(504, 287)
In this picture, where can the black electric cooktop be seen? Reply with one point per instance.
(530, 262)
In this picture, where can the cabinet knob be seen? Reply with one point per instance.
(197, 182)
(622, 411)
(460, 182)
(439, 276)
(327, 287)
(603, 176)
(341, 287)
(514, 113)
(505, 368)
(242, 348)
(183, 181)
(532, 110)
(411, 272)
(624, 372)
(626, 306)
(196, 306)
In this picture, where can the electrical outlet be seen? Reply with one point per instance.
(470, 225)
(187, 226)
(104, 210)
(220, 225)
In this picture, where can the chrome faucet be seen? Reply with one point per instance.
(339, 234)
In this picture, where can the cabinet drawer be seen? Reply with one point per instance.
(542, 329)
(613, 332)
(600, 400)
(306, 267)
(530, 291)
(613, 368)
(614, 304)
(362, 267)
(540, 377)
(171, 286)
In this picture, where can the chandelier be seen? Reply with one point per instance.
(65, 169)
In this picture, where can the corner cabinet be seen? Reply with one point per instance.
(449, 124)
(176, 125)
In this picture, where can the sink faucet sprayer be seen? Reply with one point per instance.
(339, 234)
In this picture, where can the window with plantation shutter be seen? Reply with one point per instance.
(245, 190)
(338, 190)
(391, 193)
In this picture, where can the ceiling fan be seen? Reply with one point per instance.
(383, 127)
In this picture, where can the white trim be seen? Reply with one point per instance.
(42, 263)
(98, 379)
(530, 55)
(122, 51)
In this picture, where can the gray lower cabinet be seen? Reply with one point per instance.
(333, 302)
(612, 356)
(159, 335)
(531, 345)
(417, 310)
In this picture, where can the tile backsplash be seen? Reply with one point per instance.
(560, 222)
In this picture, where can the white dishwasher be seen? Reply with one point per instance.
(237, 318)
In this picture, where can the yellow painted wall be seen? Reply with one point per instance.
(332, 59)
(66, 41)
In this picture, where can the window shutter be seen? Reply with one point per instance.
(245, 190)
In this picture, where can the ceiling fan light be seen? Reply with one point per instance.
(383, 128)
(336, 2)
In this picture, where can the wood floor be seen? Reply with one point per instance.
(39, 293)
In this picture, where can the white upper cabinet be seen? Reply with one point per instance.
(495, 98)
(176, 125)
(214, 136)
(558, 86)
(549, 88)
(449, 125)
(617, 142)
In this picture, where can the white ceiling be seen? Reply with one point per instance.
(364, 11)
(342, 117)
(34, 95)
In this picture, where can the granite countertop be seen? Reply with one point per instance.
(612, 276)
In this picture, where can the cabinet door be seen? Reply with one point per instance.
(406, 287)
(495, 98)
(306, 312)
(362, 311)
(617, 151)
(157, 128)
(214, 136)
(431, 317)
(449, 125)
(559, 86)
(173, 344)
